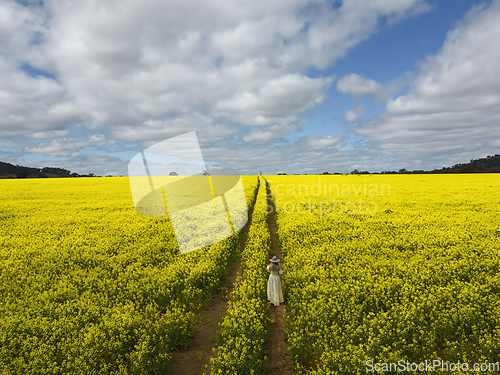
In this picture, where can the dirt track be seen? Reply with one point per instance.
(278, 359)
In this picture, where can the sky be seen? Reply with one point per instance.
(282, 86)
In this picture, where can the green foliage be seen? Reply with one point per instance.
(466, 168)
(22, 174)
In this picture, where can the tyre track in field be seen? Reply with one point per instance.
(192, 361)
(278, 359)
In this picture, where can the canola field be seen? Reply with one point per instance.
(242, 345)
(380, 268)
(88, 286)
(389, 268)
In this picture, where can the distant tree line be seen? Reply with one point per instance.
(8, 170)
(489, 164)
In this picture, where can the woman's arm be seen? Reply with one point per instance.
(280, 270)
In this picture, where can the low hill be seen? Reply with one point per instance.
(8, 170)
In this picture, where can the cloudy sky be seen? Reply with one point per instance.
(273, 86)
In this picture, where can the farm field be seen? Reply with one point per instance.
(88, 286)
(388, 268)
(380, 268)
(241, 347)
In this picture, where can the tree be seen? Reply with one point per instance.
(466, 168)
(41, 175)
(22, 174)
(59, 171)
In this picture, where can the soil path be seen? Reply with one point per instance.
(278, 359)
(195, 360)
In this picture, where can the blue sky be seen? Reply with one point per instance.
(392, 52)
(294, 86)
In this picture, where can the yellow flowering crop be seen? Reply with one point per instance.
(388, 268)
(241, 346)
(88, 286)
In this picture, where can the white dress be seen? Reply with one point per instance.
(274, 291)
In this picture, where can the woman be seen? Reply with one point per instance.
(274, 292)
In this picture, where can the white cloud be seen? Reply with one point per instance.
(11, 144)
(353, 114)
(29, 104)
(101, 165)
(259, 136)
(356, 85)
(128, 61)
(153, 131)
(453, 109)
(150, 69)
(305, 154)
(68, 147)
(271, 133)
(49, 134)
(277, 100)
(319, 142)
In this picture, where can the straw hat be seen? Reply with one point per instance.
(274, 259)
